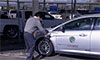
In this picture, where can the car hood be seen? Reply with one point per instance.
(52, 30)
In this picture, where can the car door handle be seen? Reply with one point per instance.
(82, 35)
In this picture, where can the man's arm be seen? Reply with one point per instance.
(40, 27)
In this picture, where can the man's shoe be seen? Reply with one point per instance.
(39, 57)
(36, 59)
(33, 58)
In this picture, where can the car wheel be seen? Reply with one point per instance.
(11, 32)
(45, 47)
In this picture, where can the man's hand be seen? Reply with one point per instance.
(47, 35)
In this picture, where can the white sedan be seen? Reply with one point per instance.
(55, 15)
(77, 36)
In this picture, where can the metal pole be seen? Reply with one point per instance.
(18, 7)
(72, 9)
(89, 4)
(44, 3)
(8, 5)
(57, 5)
(74, 6)
(35, 6)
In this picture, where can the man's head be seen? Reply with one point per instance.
(38, 15)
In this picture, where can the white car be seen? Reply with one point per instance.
(12, 13)
(77, 36)
(55, 15)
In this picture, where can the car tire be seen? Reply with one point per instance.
(11, 32)
(45, 47)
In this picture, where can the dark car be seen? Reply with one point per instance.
(49, 21)
(45, 15)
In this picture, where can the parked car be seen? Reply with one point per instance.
(49, 21)
(12, 13)
(67, 14)
(45, 15)
(55, 15)
(79, 36)
(10, 27)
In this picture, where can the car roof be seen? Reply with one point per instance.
(91, 15)
(41, 12)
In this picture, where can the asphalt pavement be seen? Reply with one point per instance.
(21, 55)
(10, 58)
(14, 55)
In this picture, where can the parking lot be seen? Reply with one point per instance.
(71, 27)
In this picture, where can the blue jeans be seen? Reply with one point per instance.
(30, 45)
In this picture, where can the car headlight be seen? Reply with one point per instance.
(52, 35)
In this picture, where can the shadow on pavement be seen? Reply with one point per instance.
(39, 57)
(80, 57)
(11, 44)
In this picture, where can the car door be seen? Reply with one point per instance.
(95, 37)
(76, 36)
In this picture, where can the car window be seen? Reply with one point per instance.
(47, 16)
(81, 24)
(97, 25)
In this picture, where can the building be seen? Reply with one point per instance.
(66, 4)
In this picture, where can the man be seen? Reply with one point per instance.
(32, 25)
